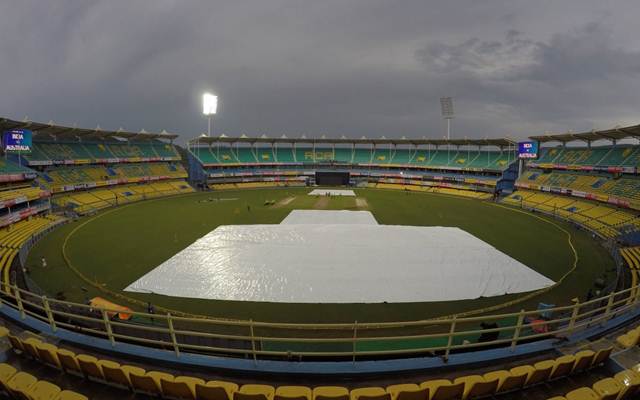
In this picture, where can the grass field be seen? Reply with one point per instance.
(120, 245)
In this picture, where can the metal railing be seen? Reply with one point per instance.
(350, 341)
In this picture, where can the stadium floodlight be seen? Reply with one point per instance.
(446, 104)
(209, 108)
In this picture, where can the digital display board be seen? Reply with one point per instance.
(528, 150)
(17, 141)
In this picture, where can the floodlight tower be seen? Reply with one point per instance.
(446, 104)
(209, 108)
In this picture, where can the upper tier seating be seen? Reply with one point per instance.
(50, 152)
(605, 156)
(453, 158)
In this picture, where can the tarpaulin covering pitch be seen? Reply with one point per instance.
(338, 263)
(329, 217)
(331, 192)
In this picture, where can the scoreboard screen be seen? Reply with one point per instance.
(17, 141)
(528, 150)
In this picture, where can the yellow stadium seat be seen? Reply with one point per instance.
(6, 372)
(71, 395)
(407, 391)
(562, 367)
(16, 344)
(370, 393)
(442, 389)
(117, 374)
(48, 354)
(254, 392)
(4, 332)
(629, 339)
(601, 356)
(68, 362)
(147, 383)
(477, 386)
(293, 393)
(607, 388)
(20, 384)
(330, 393)
(541, 372)
(29, 345)
(216, 390)
(43, 390)
(629, 380)
(584, 359)
(507, 381)
(90, 367)
(583, 393)
(181, 387)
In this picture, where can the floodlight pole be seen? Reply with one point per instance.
(209, 125)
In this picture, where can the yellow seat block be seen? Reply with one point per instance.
(48, 355)
(583, 393)
(90, 367)
(293, 393)
(443, 389)
(630, 382)
(370, 393)
(330, 393)
(255, 392)
(477, 386)
(68, 361)
(407, 391)
(6, 372)
(71, 395)
(43, 390)
(607, 388)
(508, 380)
(216, 390)
(20, 384)
(584, 360)
(562, 367)
(541, 372)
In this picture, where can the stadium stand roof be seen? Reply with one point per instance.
(51, 130)
(502, 142)
(613, 134)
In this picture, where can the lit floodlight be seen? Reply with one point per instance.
(209, 104)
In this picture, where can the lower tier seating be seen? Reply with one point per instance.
(604, 219)
(254, 185)
(13, 237)
(442, 190)
(85, 202)
(166, 385)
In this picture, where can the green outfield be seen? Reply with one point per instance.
(114, 248)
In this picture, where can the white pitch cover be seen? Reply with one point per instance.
(342, 217)
(339, 263)
(331, 192)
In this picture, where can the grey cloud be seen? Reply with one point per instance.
(355, 67)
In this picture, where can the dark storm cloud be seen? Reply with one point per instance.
(356, 68)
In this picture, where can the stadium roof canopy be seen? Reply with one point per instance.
(613, 134)
(210, 140)
(51, 130)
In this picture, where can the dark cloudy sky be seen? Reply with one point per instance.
(334, 67)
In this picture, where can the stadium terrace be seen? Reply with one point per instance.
(414, 268)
